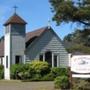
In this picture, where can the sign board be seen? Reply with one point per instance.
(81, 75)
(80, 64)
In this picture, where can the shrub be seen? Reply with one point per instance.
(57, 71)
(48, 77)
(81, 84)
(33, 71)
(1, 72)
(27, 73)
(15, 69)
(61, 82)
(36, 71)
(36, 77)
(40, 67)
(40, 70)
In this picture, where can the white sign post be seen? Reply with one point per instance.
(80, 66)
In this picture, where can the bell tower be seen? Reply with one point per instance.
(14, 42)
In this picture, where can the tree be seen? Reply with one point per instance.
(71, 11)
(79, 37)
(78, 41)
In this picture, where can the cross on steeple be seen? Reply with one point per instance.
(15, 9)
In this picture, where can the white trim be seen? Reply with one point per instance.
(69, 57)
(24, 59)
(57, 60)
(43, 57)
(52, 60)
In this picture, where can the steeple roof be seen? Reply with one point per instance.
(14, 19)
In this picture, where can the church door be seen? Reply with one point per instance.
(48, 57)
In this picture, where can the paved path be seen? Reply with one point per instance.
(18, 85)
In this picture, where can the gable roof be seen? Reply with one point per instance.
(15, 19)
(30, 37)
(41, 35)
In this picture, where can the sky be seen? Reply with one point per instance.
(36, 13)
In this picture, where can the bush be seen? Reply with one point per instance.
(1, 72)
(62, 82)
(36, 71)
(15, 69)
(48, 77)
(33, 71)
(27, 73)
(81, 84)
(57, 71)
(40, 67)
(40, 70)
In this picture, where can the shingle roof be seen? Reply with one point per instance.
(30, 37)
(15, 19)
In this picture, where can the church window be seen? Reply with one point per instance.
(41, 57)
(55, 60)
(17, 59)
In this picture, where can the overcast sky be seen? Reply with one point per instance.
(35, 12)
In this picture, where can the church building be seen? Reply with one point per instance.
(17, 46)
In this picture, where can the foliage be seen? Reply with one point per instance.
(1, 72)
(36, 71)
(78, 41)
(22, 71)
(71, 11)
(48, 77)
(75, 11)
(32, 71)
(40, 70)
(62, 82)
(79, 48)
(57, 71)
(79, 37)
(40, 67)
(81, 84)
(26, 73)
(15, 69)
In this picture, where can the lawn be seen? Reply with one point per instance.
(18, 85)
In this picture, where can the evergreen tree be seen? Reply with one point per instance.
(71, 11)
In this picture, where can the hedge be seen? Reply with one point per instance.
(36, 71)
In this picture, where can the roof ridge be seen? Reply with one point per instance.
(39, 29)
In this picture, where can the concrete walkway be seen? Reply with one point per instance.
(18, 85)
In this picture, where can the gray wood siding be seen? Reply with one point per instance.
(17, 43)
(17, 47)
(48, 41)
